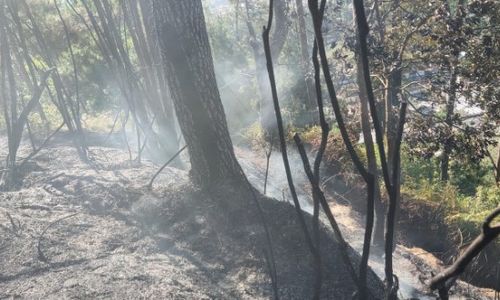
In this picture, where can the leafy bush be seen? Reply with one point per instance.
(255, 136)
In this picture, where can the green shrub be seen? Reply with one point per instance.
(255, 136)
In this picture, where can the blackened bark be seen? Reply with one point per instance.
(188, 65)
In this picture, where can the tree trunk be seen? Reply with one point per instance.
(391, 106)
(378, 229)
(266, 109)
(497, 165)
(188, 65)
(450, 110)
(306, 59)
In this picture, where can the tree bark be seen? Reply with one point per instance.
(188, 65)
(378, 233)
(450, 110)
(278, 38)
(393, 91)
(305, 64)
(497, 165)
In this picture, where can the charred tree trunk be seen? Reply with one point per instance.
(188, 65)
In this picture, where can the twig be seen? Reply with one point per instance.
(150, 184)
(268, 158)
(41, 146)
(14, 226)
(270, 260)
(113, 126)
(41, 256)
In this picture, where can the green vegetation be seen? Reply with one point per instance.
(467, 198)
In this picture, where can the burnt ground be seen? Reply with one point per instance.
(77, 230)
(413, 264)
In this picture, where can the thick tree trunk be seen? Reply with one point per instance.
(188, 65)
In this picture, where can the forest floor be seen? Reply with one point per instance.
(413, 265)
(93, 231)
(77, 230)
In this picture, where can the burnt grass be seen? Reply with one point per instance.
(78, 230)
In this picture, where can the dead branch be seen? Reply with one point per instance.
(45, 142)
(41, 256)
(449, 275)
(317, 15)
(269, 152)
(15, 227)
(283, 146)
(150, 184)
(321, 197)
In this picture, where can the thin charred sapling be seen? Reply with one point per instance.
(281, 134)
(391, 179)
(316, 13)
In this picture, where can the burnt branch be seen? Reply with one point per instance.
(44, 143)
(281, 131)
(318, 193)
(489, 233)
(317, 16)
(317, 21)
(150, 184)
(392, 183)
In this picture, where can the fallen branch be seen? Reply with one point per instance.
(15, 227)
(489, 233)
(150, 185)
(113, 126)
(47, 140)
(41, 256)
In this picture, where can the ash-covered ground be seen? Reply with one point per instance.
(79, 230)
(93, 230)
